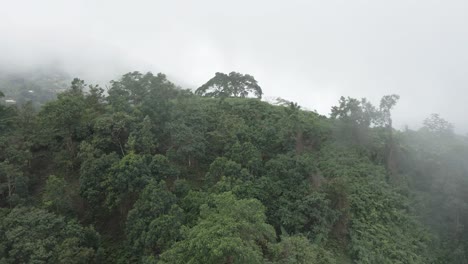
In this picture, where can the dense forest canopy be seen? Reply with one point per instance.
(148, 172)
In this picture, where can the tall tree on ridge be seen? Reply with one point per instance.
(233, 85)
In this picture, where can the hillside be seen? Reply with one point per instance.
(147, 172)
(36, 85)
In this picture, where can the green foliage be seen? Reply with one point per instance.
(292, 202)
(309, 214)
(142, 140)
(134, 87)
(13, 183)
(381, 229)
(15, 153)
(229, 231)
(125, 179)
(224, 167)
(63, 125)
(93, 175)
(191, 204)
(56, 195)
(386, 104)
(299, 250)
(161, 168)
(232, 85)
(111, 131)
(32, 235)
(168, 176)
(247, 155)
(352, 110)
(153, 223)
(354, 117)
(187, 143)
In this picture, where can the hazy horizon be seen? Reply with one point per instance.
(311, 52)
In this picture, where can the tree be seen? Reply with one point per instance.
(310, 214)
(229, 230)
(247, 155)
(224, 167)
(229, 128)
(142, 140)
(153, 223)
(95, 102)
(233, 85)
(31, 235)
(386, 104)
(162, 169)
(187, 143)
(13, 183)
(135, 89)
(62, 123)
(111, 131)
(353, 111)
(381, 230)
(299, 250)
(354, 119)
(437, 125)
(385, 120)
(77, 86)
(125, 180)
(17, 131)
(56, 195)
(293, 127)
(292, 202)
(94, 171)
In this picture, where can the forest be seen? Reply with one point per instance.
(145, 171)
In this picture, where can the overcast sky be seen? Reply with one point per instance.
(310, 51)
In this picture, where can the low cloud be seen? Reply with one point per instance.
(311, 52)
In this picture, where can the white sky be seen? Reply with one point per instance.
(311, 52)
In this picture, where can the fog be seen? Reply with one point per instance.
(311, 52)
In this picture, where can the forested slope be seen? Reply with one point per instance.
(147, 172)
(35, 85)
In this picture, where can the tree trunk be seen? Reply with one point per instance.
(391, 163)
(121, 148)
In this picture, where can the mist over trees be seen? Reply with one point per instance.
(148, 172)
